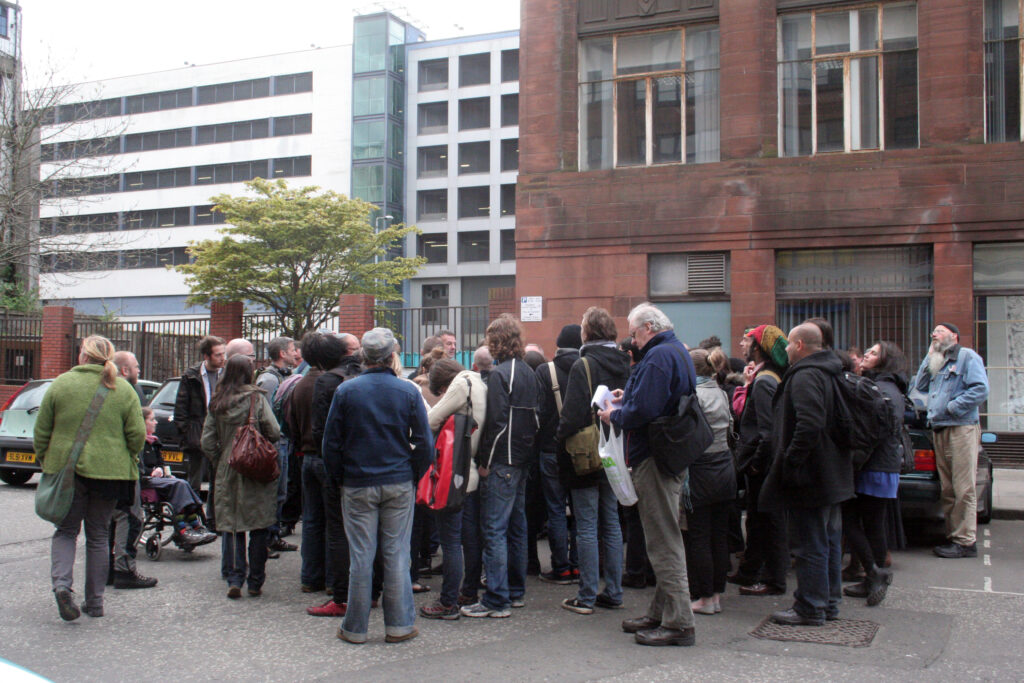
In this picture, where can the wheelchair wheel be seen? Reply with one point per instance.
(153, 547)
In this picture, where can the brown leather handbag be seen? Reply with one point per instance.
(252, 454)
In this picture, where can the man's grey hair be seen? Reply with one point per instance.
(649, 313)
(378, 345)
(348, 339)
(482, 358)
(277, 346)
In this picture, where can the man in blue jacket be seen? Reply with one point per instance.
(662, 377)
(955, 381)
(377, 444)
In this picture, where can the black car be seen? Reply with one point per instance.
(163, 409)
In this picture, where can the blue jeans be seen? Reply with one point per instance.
(449, 523)
(503, 518)
(234, 558)
(315, 572)
(815, 537)
(558, 526)
(385, 512)
(597, 508)
(284, 445)
(472, 545)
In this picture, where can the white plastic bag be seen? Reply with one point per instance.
(613, 459)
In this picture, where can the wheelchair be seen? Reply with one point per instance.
(158, 528)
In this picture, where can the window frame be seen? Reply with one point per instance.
(986, 41)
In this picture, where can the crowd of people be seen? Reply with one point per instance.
(355, 437)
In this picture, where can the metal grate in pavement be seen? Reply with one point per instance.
(848, 632)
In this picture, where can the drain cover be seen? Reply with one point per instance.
(848, 632)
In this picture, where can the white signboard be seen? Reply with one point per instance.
(530, 309)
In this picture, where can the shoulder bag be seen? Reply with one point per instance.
(582, 446)
(252, 454)
(676, 440)
(56, 491)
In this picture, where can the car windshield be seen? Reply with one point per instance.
(165, 397)
(31, 396)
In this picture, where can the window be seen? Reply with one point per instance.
(510, 110)
(158, 101)
(433, 118)
(368, 96)
(232, 92)
(292, 167)
(474, 113)
(434, 297)
(432, 162)
(999, 305)
(396, 185)
(153, 180)
(1002, 70)
(474, 202)
(433, 75)
(508, 245)
(369, 45)
(232, 173)
(475, 69)
(474, 157)
(205, 215)
(434, 248)
(510, 155)
(77, 149)
(368, 139)
(300, 124)
(508, 199)
(854, 86)
(474, 246)
(509, 65)
(3, 22)
(432, 205)
(368, 183)
(293, 83)
(674, 275)
(649, 98)
(99, 222)
(75, 187)
(396, 100)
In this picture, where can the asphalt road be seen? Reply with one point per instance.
(944, 620)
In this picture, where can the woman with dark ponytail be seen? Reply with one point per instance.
(106, 469)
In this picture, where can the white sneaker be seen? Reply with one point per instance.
(479, 610)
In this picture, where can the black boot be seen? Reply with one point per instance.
(877, 582)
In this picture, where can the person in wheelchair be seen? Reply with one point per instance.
(154, 475)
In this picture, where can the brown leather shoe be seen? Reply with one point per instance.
(398, 639)
(760, 589)
(644, 623)
(666, 636)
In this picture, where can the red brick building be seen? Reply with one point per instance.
(746, 161)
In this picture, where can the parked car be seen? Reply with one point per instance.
(920, 489)
(162, 404)
(18, 420)
(148, 388)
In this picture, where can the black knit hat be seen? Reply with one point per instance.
(571, 337)
(951, 327)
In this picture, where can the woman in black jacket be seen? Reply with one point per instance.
(877, 481)
(594, 505)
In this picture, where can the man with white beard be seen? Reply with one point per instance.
(955, 381)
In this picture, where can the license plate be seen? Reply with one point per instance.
(174, 456)
(15, 456)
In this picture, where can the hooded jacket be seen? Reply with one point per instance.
(608, 366)
(510, 430)
(754, 451)
(712, 473)
(808, 470)
(659, 380)
(548, 409)
(886, 457)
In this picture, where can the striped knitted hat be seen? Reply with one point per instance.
(773, 342)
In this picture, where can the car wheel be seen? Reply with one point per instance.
(15, 477)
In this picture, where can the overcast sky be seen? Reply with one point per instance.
(85, 41)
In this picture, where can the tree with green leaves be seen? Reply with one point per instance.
(294, 251)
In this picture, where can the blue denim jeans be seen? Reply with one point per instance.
(284, 445)
(383, 512)
(472, 545)
(555, 496)
(503, 519)
(597, 519)
(815, 537)
(449, 524)
(315, 572)
(234, 558)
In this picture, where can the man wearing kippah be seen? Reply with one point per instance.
(955, 381)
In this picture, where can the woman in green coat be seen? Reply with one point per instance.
(106, 471)
(241, 504)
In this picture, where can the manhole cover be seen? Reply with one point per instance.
(848, 632)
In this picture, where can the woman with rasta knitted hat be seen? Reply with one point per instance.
(763, 570)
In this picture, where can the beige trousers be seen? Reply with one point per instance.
(956, 459)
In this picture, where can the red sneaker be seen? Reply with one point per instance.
(328, 609)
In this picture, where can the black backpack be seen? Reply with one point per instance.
(864, 418)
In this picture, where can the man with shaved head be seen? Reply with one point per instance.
(810, 476)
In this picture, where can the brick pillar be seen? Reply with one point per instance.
(753, 290)
(501, 300)
(355, 313)
(748, 77)
(58, 340)
(951, 72)
(226, 319)
(954, 287)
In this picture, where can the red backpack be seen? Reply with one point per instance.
(444, 485)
